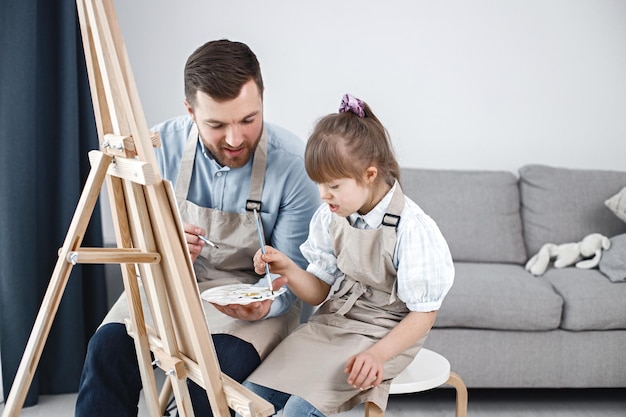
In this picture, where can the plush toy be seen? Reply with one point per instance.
(585, 254)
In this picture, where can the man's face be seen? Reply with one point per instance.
(231, 129)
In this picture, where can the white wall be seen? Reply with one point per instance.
(488, 84)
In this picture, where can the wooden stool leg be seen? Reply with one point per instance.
(372, 410)
(461, 394)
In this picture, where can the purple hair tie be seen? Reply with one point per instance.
(352, 104)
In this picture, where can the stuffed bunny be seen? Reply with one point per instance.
(585, 254)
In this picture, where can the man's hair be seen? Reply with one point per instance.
(220, 68)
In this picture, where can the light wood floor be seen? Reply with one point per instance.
(440, 403)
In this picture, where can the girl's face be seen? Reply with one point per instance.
(345, 196)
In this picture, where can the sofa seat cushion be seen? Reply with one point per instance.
(499, 296)
(478, 212)
(561, 205)
(591, 300)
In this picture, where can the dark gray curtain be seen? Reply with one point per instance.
(47, 128)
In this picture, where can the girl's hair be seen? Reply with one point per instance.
(345, 144)
(220, 68)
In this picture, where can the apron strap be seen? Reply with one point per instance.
(258, 174)
(186, 165)
(356, 289)
(256, 179)
(392, 216)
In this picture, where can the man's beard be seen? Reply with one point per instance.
(225, 160)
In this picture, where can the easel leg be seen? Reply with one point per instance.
(140, 338)
(56, 287)
(158, 300)
(165, 395)
(131, 286)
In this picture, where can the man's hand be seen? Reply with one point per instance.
(249, 312)
(194, 243)
(253, 311)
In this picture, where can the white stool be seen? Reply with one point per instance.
(427, 371)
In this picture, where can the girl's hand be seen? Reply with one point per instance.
(303, 284)
(364, 370)
(278, 261)
(258, 262)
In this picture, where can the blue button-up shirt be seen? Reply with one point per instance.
(289, 197)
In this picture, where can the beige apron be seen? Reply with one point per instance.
(310, 362)
(231, 263)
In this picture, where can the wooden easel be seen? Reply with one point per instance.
(149, 237)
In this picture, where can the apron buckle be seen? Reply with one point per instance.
(252, 205)
(391, 220)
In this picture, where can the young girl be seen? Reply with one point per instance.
(393, 265)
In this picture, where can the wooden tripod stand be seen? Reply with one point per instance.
(149, 237)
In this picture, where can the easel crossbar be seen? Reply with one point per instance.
(108, 256)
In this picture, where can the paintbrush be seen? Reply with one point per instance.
(205, 240)
(262, 241)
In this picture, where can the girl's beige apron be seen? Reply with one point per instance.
(237, 238)
(310, 362)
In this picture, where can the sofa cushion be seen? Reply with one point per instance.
(613, 261)
(477, 211)
(561, 205)
(591, 302)
(499, 296)
(617, 204)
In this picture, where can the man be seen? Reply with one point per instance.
(224, 161)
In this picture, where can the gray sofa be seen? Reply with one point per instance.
(500, 326)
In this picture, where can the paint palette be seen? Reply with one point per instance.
(240, 294)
